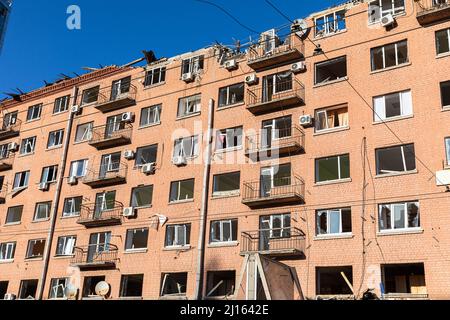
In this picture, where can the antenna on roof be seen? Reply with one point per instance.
(101, 67)
(15, 96)
(47, 84)
(76, 74)
(149, 56)
(64, 76)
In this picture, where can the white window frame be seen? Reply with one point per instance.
(228, 136)
(179, 190)
(162, 70)
(339, 167)
(54, 288)
(329, 212)
(194, 64)
(46, 178)
(73, 212)
(9, 251)
(68, 242)
(133, 232)
(153, 116)
(75, 166)
(383, 50)
(406, 106)
(228, 223)
(47, 206)
(19, 176)
(31, 244)
(185, 104)
(28, 144)
(392, 218)
(383, 13)
(325, 111)
(176, 235)
(31, 116)
(228, 101)
(61, 104)
(145, 187)
(58, 136)
(87, 133)
(403, 159)
(326, 27)
(180, 147)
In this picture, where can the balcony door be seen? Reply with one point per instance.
(275, 226)
(113, 124)
(275, 84)
(120, 88)
(98, 243)
(274, 177)
(109, 163)
(104, 201)
(275, 129)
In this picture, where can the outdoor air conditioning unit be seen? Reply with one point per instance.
(188, 77)
(75, 109)
(148, 168)
(251, 79)
(43, 186)
(13, 146)
(129, 155)
(180, 161)
(72, 180)
(10, 296)
(387, 20)
(231, 64)
(129, 212)
(128, 117)
(306, 120)
(298, 67)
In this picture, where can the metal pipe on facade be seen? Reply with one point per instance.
(54, 212)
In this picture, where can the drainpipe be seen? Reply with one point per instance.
(204, 207)
(54, 213)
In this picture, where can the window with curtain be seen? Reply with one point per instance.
(331, 118)
(229, 138)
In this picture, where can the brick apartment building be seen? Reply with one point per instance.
(327, 172)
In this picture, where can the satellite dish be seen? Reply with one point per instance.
(300, 27)
(102, 288)
(70, 291)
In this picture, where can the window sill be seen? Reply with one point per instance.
(445, 108)
(6, 261)
(131, 298)
(155, 85)
(319, 85)
(134, 251)
(189, 116)
(177, 248)
(220, 151)
(59, 113)
(12, 224)
(334, 236)
(234, 105)
(400, 232)
(80, 142)
(223, 244)
(62, 257)
(149, 125)
(406, 64)
(71, 217)
(328, 35)
(26, 155)
(324, 183)
(333, 130)
(34, 259)
(54, 148)
(181, 201)
(40, 220)
(32, 120)
(143, 207)
(378, 176)
(397, 118)
(443, 55)
(227, 195)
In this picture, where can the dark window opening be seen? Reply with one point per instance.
(3, 289)
(331, 280)
(28, 289)
(404, 278)
(220, 283)
(445, 94)
(137, 239)
(90, 95)
(131, 285)
(395, 159)
(89, 285)
(174, 284)
(331, 70)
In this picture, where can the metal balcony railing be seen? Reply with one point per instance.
(284, 93)
(111, 135)
(101, 214)
(101, 255)
(111, 100)
(429, 11)
(6, 160)
(276, 241)
(285, 140)
(9, 130)
(106, 174)
(281, 190)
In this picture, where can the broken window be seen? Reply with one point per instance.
(331, 118)
(392, 105)
(226, 184)
(28, 289)
(275, 226)
(34, 112)
(3, 288)
(229, 138)
(395, 216)
(333, 221)
(142, 196)
(9, 120)
(178, 235)
(90, 95)
(4, 151)
(275, 84)
(331, 70)
(131, 285)
(57, 288)
(114, 124)
(120, 87)
(382, 8)
(66, 245)
(72, 206)
(7, 251)
(173, 284)
(109, 163)
(443, 41)
(220, 283)
(187, 147)
(273, 177)
(275, 129)
(192, 65)
(330, 23)
(155, 76)
(78, 168)
(21, 180)
(404, 278)
(42, 211)
(146, 155)
(223, 231)
(182, 190)
(389, 55)
(84, 132)
(14, 215)
(189, 105)
(395, 159)
(27, 145)
(49, 174)
(333, 280)
(35, 248)
(333, 168)
(136, 239)
(150, 116)
(231, 95)
(104, 201)
(61, 104)
(445, 94)
(89, 285)
(55, 138)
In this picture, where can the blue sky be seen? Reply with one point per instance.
(39, 46)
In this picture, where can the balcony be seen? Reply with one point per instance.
(10, 130)
(270, 143)
(107, 175)
(259, 59)
(111, 135)
(92, 215)
(6, 161)
(95, 256)
(281, 242)
(268, 98)
(288, 190)
(430, 11)
(109, 101)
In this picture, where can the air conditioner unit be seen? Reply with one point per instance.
(188, 77)
(298, 67)
(43, 186)
(128, 117)
(9, 296)
(13, 146)
(129, 155)
(231, 64)
(180, 161)
(387, 20)
(251, 79)
(72, 180)
(129, 212)
(306, 120)
(148, 168)
(75, 109)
